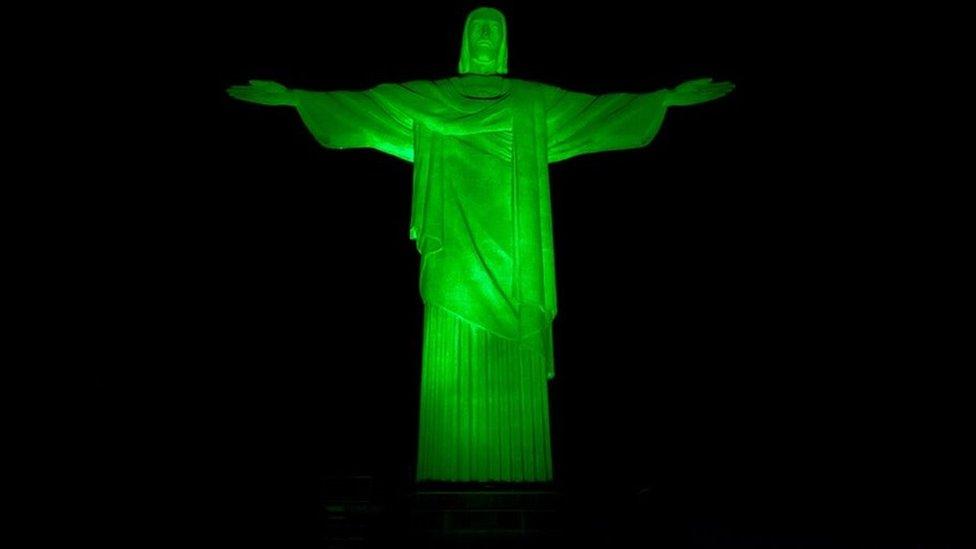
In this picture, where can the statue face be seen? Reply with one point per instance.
(483, 49)
(486, 40)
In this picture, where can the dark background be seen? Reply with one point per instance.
(746, 348)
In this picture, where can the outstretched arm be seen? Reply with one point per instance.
(580, 123)
(697, 91)
(341, 119)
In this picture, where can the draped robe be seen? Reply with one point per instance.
(482, 223)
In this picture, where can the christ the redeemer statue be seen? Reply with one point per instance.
(481, 145)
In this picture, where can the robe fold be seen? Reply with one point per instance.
(481, 218)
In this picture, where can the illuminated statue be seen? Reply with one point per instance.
(481, 144)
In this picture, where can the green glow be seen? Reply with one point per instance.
(481, 145)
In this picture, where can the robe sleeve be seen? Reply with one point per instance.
(357, 119)
(579, 123)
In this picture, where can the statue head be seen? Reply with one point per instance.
(484, 47)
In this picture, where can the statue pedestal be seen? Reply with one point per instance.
(349, 511)
(465, 515)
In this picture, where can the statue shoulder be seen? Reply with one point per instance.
(530, 86)
(415, 86)
(547, 92)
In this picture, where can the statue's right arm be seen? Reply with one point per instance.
(264, 92)
(342, 119)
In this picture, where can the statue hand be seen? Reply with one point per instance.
(697, 91)
(262, 92)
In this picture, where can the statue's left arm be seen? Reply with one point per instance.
(579, 123)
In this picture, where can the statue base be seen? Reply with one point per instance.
(348, 511)
(485, 515)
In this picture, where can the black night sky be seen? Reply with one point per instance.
(739, 339)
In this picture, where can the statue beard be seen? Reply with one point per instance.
(485, 55)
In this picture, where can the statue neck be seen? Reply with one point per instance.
(481, 85)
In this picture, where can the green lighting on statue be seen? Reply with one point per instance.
(481, 144)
